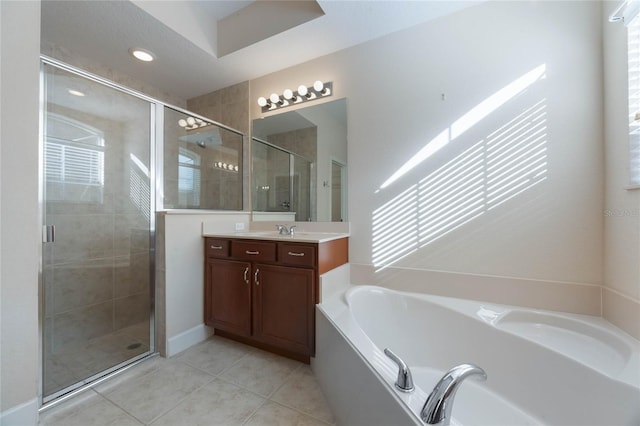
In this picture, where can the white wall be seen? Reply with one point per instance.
(621, 295)
(553, 232)
(19, 227)
(183, 259)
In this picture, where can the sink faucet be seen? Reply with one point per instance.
(437, 408)
(283, 230)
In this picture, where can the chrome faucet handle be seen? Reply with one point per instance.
(282, 229)
(404, 382)
(291, 230)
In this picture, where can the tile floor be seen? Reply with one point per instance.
(218, 382)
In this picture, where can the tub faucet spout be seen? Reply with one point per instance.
(437, 408)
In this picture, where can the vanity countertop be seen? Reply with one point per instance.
(302, 236)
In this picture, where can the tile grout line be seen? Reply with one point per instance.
(292, 407)
(166, 411)
(122, 409)
(155, 419)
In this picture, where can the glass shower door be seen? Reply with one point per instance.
(271, 178)
(97, 204)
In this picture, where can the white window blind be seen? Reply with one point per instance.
(73, 161)
(72, 164)
(188, 178)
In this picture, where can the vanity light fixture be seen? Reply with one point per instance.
(318, 90)
(142, 54)
(226, 167)
(191, 123)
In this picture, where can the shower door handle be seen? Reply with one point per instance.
(48, 233)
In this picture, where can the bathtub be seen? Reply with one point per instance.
(542, 367)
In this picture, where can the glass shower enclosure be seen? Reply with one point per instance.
(110, 158)
(282, 181)
(97, 208)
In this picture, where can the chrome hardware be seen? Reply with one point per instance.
(246, 272)
(216, 247)
(437, 408)
(285, 204)
(252, 252)
(48, 234)
(404, 382)
(255, 276)
(283, 230)
(295, 254)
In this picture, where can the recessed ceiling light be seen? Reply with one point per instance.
(142, 54)
(75, 92)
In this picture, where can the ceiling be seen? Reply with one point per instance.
(183, 35)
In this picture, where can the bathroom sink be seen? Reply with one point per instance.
(301, 236)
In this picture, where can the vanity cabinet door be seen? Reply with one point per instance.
(283, 307)
(228, 296)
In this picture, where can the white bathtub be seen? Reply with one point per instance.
(542, 367)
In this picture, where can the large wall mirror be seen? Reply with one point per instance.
(299, 161)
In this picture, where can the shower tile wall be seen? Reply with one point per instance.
(229, 106)
(217, 189)
(97, 270)
(303, 142)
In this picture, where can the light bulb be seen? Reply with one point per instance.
(302, 90)
(288, 94)
(142, 54)
(318, 86)
(182, 122)
(262, 101)
(75, 92)
(274, 98)
(191, 121)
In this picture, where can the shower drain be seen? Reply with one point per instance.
(134, 346)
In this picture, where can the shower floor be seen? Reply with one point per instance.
(74, 364)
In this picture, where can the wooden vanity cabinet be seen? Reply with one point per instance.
(263, 293)
(228, 296)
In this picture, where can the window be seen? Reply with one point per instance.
(73, 161)
(188, 178)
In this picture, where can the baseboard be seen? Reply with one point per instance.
(25, 414)
(188, 338)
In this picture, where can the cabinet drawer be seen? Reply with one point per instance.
(253, 250)
(296, 254)
(215, 247)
